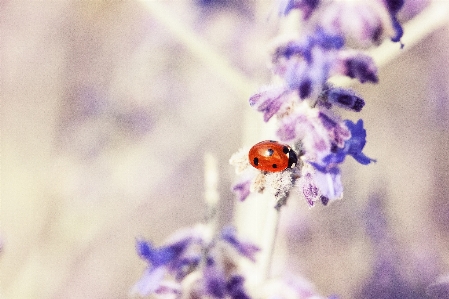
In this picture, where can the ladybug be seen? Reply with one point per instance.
(272, 156)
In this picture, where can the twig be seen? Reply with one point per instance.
(200, 48)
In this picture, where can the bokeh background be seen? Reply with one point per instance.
(107, 109)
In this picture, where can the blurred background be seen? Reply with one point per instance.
(107, 109)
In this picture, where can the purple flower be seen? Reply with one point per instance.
(337, 132)
(363, 21)
(218, 285)
(303, 47)
(320, 184)
(352, 147)
(309, 189)
(356, 65)
(163, 256)
(242, 189)
(214, 280)
(305, 64)
(235, 289)
(190, 253)
(306, 6)
(174, 259)
(269, 101)
(393, 7)
(341, 97)
(328, 181)
(246, 249)
(308, 78)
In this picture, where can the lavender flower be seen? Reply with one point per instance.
(306, 6)
(341, 97)
(246, 249)
(304, 103)
(242, 189)
(393, 7)
(355, 65)
(352, 147)
(269, 101)
(188, 253)
(365, 21)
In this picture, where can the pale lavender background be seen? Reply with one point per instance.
(105, 117)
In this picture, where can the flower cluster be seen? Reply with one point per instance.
(192, 265)
(196, 265)
(305, 103)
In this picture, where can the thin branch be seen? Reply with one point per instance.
(211, 195)
(200, 48)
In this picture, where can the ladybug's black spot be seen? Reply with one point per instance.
(273, 141)
(256, 161)
(270, 152)
(285, 149)
(292, 159)
(274, 166)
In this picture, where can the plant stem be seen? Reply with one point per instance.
(211, 195)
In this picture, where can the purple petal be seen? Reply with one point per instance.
(344, 98)
(305, 88)
(235, 288)
(242, 189)
(356, 143)
(149, 282)
(144, 249)
(310, 190)
(306, 6)
(329, 183)
(327, 41)
(246, 249)
(214, 280)
(163, 255)
(352, 147)
(393, 7)
(361, 67)
(268, 101)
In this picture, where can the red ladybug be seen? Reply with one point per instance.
(272, 156)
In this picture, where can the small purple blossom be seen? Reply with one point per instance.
(303, 47)
(328, 181)
(219, 285)
(309, 189)
(166, 259)
(364, 22)
(338, 132)
(306, 6)
(242, 189)
(352, 147)
(214, 280)
(341, 97)
(191, 252)
(356, 65)
(235, 288)
(162, 256)
(393, 7)
(305, 64)
(246, 249)
(269, 101)
(304, 102)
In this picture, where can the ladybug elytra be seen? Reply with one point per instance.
(272, 156)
